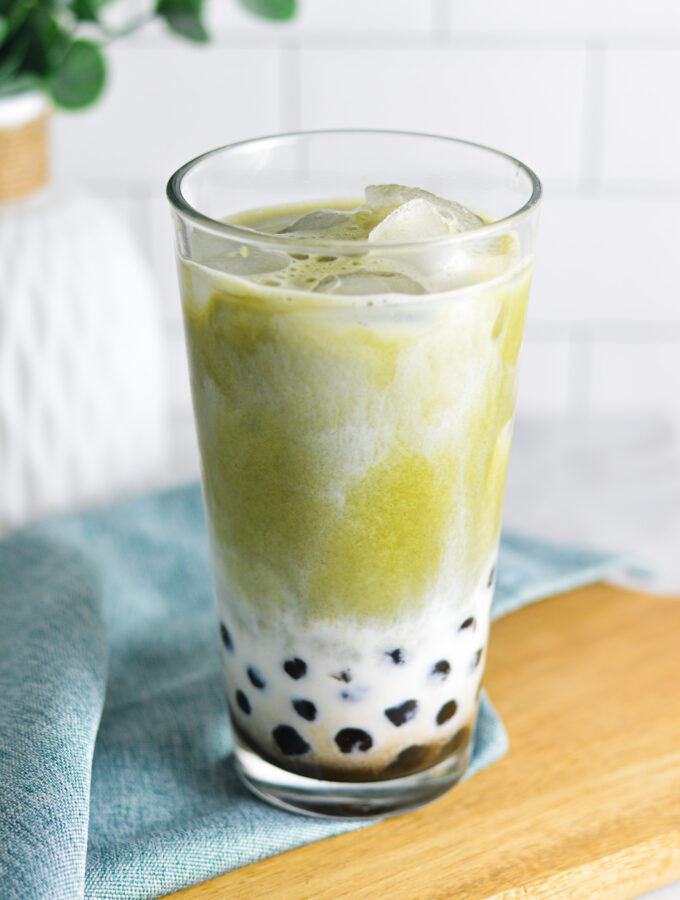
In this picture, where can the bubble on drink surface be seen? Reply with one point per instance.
(401, 241)
(362, 283)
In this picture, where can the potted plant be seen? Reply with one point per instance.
(82, 411)
(56, 46)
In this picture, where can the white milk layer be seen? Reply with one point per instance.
(354, 695)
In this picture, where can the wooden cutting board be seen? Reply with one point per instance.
(586, 805)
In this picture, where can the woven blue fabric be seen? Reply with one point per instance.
(114, 741)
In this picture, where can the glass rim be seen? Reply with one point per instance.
(288, 242)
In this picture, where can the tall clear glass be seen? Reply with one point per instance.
(354, 428)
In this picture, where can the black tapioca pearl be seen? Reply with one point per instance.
(326, 258)
(492, 576)
(305, 708)
(289, 741)
(468, 623)
(226, 637)
(397, 656)
(299, 255)
(349, 739)
(296, 668)
(441, 669)
(256, 678)
(355, 694)
(409, 759)
(345, 676)
(398, 715)
(243, 702)
(459, 741)
(448, 711)
(476, 659)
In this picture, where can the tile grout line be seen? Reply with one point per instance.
(615, 190)
(472, 39)
(612, 331)
(578, 373)
(441, 19)
(147, 196)
(593, 116)
(289, 84)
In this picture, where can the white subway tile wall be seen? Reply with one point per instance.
(599, 17)
(499, 97)
(641, 136)
(352, 16)
(586, 92)
(607, 260)
(636, 375)
(545, 378)
(167, 104)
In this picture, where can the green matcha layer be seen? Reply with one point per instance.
(354, 449)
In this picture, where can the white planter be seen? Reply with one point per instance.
(82, 400)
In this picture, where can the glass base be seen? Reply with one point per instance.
(347, 800)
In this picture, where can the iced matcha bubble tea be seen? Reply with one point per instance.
(353, 307)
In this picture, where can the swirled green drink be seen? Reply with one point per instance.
(354, 416)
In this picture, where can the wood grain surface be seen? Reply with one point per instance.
(585, 806)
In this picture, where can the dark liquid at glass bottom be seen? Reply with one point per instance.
(413, 758)
(328, 792)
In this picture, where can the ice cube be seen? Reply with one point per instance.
(414, 219)
(318, 221)
(362, 283)
(390, 196)
(413, 215)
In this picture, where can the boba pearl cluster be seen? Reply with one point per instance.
(348, 703)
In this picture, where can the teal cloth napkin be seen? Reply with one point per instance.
(115, 779)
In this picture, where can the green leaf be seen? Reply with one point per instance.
(25, 82)
(53, 43)
(18, 13)
(271, 9)
(4, 28)
(187, 26)
(80, 78)
(86, 10)
(13, 57)
(184, 18)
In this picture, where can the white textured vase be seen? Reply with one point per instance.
(82, 400)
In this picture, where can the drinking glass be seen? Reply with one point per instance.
(354, 433)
